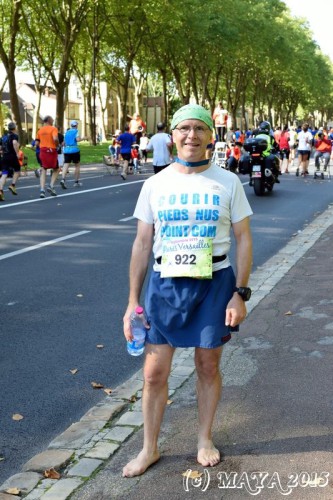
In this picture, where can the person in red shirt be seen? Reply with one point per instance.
(323, 147)
(234, 157)
(135, 157)
(284, 149)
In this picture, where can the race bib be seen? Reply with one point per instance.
(191, 258)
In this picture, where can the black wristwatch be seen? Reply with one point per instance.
(244, 292)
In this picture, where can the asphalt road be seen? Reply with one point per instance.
(64, 268)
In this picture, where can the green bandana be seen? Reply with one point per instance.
(192, 112)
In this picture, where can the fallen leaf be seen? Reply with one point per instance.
(192, 474)
(100, 346)
(97, 385)
(17, 417)
(169, 402)
(108, 391)
(289, 313)
(52, 474)
(133, 399)
(74, 371)
(13, 491)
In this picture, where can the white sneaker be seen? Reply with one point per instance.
(77, 184)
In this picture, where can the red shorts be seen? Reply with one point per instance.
(49, 158)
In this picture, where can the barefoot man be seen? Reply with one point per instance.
(193, 298)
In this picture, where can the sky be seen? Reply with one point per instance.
(320, 20)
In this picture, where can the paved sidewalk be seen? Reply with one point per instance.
(275, 416)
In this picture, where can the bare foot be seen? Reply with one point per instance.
(208, 455)
(140, 464)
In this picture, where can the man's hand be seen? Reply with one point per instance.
(127, 322)
(236, 311)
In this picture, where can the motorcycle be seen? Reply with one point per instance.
(263, 170)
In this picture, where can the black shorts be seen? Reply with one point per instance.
(72, 157)
(304, 153)
(9, 164)
(284, 153)
(126, 156)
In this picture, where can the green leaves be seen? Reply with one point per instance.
(251, 53)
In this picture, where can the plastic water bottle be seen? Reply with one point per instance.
(137, 346)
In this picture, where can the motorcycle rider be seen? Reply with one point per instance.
(271, 161)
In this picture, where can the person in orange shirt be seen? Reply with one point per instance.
(323, 147)
(137, 126)
(48, 141)
(23, 161)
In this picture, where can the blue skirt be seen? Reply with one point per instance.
(187, 312)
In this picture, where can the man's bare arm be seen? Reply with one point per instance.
(236, 309)
(141, 252)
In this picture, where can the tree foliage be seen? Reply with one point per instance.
(252, 54)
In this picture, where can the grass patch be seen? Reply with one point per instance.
(89, 154)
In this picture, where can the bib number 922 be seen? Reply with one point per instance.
(185, 259)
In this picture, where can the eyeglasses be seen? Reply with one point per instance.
(199, 130)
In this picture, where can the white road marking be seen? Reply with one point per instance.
(79, 191)
(127, 219)
(44, 244)
(37, 186)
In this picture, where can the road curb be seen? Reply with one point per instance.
(86, 445)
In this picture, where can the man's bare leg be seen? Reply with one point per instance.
(154, 398)
(209, 386)
(3, 181)
(77, 172)
(125, 169)
(65, 170)
(306, 165)
(42, 179)
(54, 177)
(300, 163)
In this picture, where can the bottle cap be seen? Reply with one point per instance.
(139, 310)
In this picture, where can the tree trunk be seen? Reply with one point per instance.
(61, 87)
(125, 93)
(165, 116)
(8, 58)
(1, 109)
(35, 120)
(120, 109)
(84, 121)
(14, 101)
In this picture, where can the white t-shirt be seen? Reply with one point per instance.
(191, 205)
(143, 142)
(292, 137)
(302, 137)
(159, 144)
